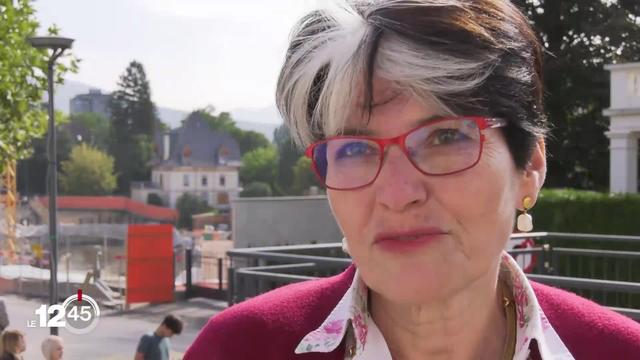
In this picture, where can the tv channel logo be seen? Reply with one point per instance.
(79, 314)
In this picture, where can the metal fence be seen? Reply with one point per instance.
(205, 275)
(83, 250)
(609, 277)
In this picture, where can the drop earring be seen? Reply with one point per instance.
(345, 246)
(525, 221)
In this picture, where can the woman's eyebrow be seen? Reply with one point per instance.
(349, 131)
(428, 120)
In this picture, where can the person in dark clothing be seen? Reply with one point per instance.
(156, 345)
(4, 317)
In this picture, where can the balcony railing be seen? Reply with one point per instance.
(608, 276)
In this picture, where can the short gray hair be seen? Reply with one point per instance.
(48, 345)
(468, 57)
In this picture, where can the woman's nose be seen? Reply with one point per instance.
(399, 185)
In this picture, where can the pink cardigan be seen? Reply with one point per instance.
(271, 325)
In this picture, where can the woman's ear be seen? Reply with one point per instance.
(534, 173)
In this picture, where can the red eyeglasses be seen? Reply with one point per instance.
(440, 147)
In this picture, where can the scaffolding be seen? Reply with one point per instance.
(9, 201)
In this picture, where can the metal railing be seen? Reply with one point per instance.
(204, 275)
(609, 277)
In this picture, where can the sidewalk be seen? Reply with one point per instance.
(118, 332)
(195, 312)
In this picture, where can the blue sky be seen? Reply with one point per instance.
(196, 52)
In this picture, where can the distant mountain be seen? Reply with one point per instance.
(171, 117)
(64, 93)
(267, 114)
(262, 120)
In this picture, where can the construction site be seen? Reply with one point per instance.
(94, 257)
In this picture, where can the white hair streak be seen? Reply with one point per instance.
(332, 40)
(332, 47)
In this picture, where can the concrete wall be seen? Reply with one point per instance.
(283, 221)
(625, 85)
(624, 131)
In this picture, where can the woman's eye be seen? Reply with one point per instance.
(354, 150)
(447, 137)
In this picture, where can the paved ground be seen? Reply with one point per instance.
(117, 333)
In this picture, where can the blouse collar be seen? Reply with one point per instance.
(350, 318)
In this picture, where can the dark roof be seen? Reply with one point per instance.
(195, 144)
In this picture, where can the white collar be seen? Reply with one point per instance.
(350, 318)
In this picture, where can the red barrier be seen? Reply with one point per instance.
(150, 275)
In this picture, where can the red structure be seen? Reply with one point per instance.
(137, 211)
(150, 274)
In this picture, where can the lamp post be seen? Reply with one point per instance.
(58, 45)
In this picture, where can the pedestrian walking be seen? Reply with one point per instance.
(156, 345)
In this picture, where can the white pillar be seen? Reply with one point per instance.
(624, 162)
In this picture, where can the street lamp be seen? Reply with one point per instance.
(58, 45)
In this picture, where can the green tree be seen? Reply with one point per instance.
(23, 80)
(581, 37)
(133, 122)
(187, 206)
(154, 199)
(256, 189)
(249, 140)
(259, 165)
(223, 122)
(97, 126)
(303, 176)
(88, 171)
(32, 171)
(288, 155)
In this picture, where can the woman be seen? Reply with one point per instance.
(13, 345)
(52, 347)
(424, 120)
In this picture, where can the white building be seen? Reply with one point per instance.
(624, 130)
(193, 159)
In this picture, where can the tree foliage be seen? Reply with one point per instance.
(187, 206)
(88, 171)
(288, 155)
(223, 122)
(97, 128)
(32, 171)
(249, 140)
(581, 37)
(154, 199)
(23, 79)
(259, 165)
(133, 122)
(256, 189)
(303, 176)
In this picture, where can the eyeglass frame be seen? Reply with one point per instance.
(482, 122)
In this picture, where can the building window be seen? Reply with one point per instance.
(185, 180)
(205, 180)
(223, 199)
(160, 179)
(223, 180)
(223, 156)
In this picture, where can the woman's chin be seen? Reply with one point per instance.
(411, 285)
(406, 295)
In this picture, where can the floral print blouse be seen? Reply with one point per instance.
(351, 319)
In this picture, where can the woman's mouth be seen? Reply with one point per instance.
(405, 241)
